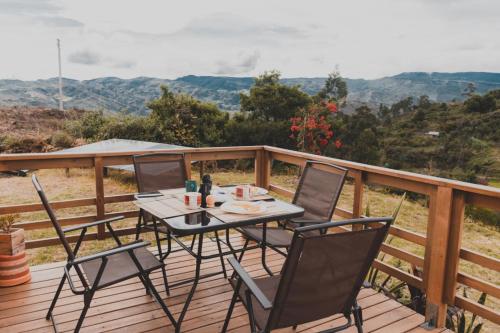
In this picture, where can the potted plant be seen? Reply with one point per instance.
(14, 268)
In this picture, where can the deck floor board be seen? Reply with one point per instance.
(126, 308)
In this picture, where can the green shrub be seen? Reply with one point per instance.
(481, 104)
(61, 139)
(483, 215)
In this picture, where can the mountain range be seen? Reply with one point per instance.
(131, 95)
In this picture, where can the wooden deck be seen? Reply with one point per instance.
(125, 307)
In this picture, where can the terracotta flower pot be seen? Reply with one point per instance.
(14, 268)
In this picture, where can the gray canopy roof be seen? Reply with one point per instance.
(118, 145)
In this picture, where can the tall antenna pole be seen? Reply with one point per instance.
(60, 75)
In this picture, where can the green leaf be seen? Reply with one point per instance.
(461, 324)
(395, 213)
(477, 329)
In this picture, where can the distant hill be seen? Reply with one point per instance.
(115, 94)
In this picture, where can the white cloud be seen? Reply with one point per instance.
(22, 7)
(243, 64)
(164, 39)
(85, 57)
(58, 22)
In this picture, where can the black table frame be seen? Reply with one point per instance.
(174, 233)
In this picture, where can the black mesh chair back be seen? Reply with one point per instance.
(161, 171)
(319, 190)
(323, 274)
(52, 217)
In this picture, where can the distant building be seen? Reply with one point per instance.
(433, 133)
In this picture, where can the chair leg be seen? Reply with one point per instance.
(86, 305)
(220, 254)
(192, 242)
(165, 280)
(148, 292)
(158, 299)
(243, 250)
(241, 255)
(251, 316)
(56, 296)
(160, 255)
(358, 318)
(230, 311)
(263, 260)
(138, 226)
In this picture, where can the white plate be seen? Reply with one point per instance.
(244, 207)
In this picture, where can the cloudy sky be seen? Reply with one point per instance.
(168, 39)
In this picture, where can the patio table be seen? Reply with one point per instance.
(169, 209)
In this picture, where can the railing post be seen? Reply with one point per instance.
(187, 161)
(262, 168)
(359, 184)
(99, 194)
(436, 249)
(454, 244)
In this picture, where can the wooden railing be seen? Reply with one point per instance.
(442, 242)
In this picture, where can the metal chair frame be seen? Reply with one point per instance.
(74, 262)
(275, 307)
(291, 225)
(142, 223)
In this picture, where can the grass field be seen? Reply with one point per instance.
(80, 183)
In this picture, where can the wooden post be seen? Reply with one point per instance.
(262, 169)
(202, 168)
(454, 244)
(99, 194)
(438, 228)
(187, 161)
(359, 184)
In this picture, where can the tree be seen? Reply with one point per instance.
(384, 114)
(419, 115)
(312, 128)
(270, 100)
(244, 130)
(401, 107)
(481, 104)
(424, 102)
(366, 147)
(335, 89)
(183, 120)
(360, 137)
(470, 90)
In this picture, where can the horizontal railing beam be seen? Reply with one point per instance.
(65, 221)
(72, 203)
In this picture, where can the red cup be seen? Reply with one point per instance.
(192, 200)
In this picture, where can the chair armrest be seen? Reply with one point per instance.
(250, 284)
(365, 220)
(307, 221)
(93, 224)
(111, 252)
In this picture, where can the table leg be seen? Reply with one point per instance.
(160, 255)
(220, 254)
(195, 283)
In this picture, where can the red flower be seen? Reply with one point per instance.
(329, 134)
(332, 107)
(294, 128)
(323, 142)
(338, 143)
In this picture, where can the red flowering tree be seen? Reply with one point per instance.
(312, 128)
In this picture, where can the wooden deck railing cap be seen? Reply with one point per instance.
(431, 180)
